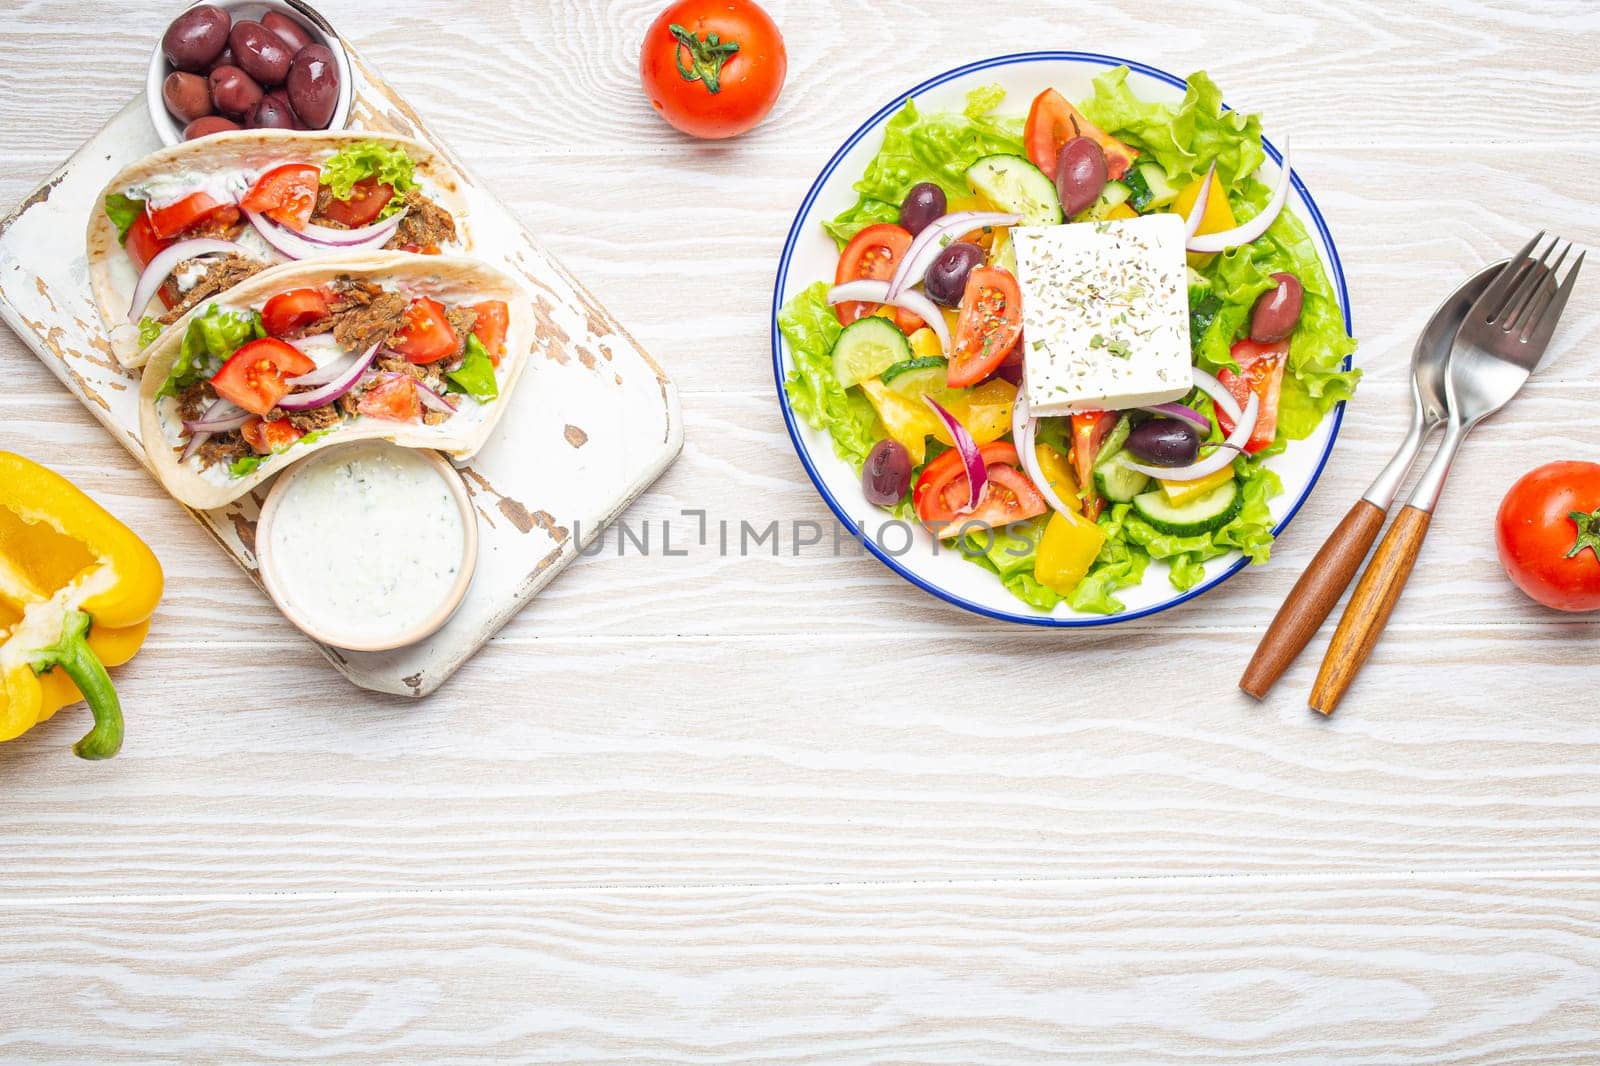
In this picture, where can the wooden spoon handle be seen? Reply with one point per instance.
(1369, 608)
(1313, 597)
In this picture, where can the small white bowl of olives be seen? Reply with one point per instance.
(247, 64)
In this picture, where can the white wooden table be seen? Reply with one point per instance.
(708, 809)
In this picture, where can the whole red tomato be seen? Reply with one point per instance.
(1549, 535)
(713, 68)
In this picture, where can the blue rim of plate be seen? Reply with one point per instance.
(795, 230)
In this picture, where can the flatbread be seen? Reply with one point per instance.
(450, 279)
(112, 276)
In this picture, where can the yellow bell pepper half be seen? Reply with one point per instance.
(1218, 216)
(1181, 492)
(1067, 550)
(77, 589)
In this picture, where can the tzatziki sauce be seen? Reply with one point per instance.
(367, 542)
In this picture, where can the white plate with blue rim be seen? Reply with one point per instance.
(809, 255)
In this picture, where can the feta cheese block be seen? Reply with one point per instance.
(1105, 314)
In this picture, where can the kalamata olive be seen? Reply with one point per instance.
(1277, 311)
(186, 95)
(946, 279)
(314, 85)
(1164, 442)
(260, 53)
(923, 204)
(272, 113)
(195, 37)
(294, 35)
(887, 473)
(205, 127)
(234, 92)
(1080, 174)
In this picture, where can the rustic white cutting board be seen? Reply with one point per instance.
(593, 421)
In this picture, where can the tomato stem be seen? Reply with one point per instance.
(1588, 532)
(706, 56)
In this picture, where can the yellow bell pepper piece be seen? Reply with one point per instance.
(1218, 216)
(904, 419)
(1066, 551)
(1122, 211)
(1057, 470)
(1181, 492)
(77, 589)
(925, 344)
(985, 411)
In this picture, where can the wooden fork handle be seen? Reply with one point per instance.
(1369, 608)
(1313, 597)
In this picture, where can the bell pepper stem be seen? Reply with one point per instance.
(74, 656)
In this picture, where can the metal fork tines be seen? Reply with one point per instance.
(1503, 340)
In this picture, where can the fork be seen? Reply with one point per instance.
(1498, 346)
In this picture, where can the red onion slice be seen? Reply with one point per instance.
(1197, 213)
(351, 373)
(1024, 431)
(971, 457)
(877, 292)
(284, 240)
(929, 243)
(323, 374)
(219, 417)
(1179, 411)
(1255, 227)
(159, 268)
(373, 236)
(1211, 463)
(1218, 392)
(433, 400)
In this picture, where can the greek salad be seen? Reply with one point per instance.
(1068, 345)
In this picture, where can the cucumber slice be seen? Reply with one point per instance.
(931, 362)
(1113, 194)
(1210, 512)
(1116, 482)
(1162, 191)
(1114, 440)
(1015, 185)
(867, 347)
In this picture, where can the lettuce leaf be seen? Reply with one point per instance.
(811, 328)
(123, 211)
(475, 375)
(370, 159)
(1010, 556)
(1118, 566)
(937, 148)
(149, 330)
(208, 342)
(1185, 140)
(1250, 530)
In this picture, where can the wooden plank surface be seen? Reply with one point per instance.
(708, 808)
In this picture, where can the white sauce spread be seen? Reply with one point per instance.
(367, 541)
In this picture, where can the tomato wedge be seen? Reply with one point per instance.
(393, 399)
(285, 194)
(989, 326)
(1260, 371)
(255, 376)
(184, 215)
(368, 198)
(143, 242)
(1053, 121)
(1089, 431)
(872, 255)
(427, 336)
(494, 318)
(943, 489)
(266, 437)
(293, 310)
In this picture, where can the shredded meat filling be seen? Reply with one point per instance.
(426, 225)
(221, 275)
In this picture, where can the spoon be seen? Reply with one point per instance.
(1330, 572)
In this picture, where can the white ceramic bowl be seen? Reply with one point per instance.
(170, 130)
(276, 586)
(809, 255)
